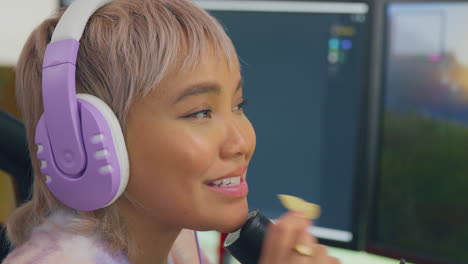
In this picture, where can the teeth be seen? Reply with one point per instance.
(227, 182)
(218, 182)
(236, 181)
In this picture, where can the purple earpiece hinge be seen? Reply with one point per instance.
(60, 107)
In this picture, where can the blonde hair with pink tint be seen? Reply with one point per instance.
(127, 48)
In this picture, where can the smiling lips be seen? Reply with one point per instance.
(230, 179)
(226, 182)
(232, 185)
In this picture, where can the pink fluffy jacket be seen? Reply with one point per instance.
(49, 244)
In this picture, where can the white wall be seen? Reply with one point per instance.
(18, 18)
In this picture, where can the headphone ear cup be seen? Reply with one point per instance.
(107, 166)
(114, 145)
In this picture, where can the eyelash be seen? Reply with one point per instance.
(207, 112)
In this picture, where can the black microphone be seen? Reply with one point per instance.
(245, 244)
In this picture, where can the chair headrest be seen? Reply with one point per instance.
(14, 153)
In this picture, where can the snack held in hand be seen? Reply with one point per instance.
(292, 203)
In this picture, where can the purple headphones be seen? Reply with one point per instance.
(80, 142)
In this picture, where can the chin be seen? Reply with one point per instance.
(231, 220)
(225, 219)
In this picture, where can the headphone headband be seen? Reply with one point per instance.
(73, 21)
(58, 86)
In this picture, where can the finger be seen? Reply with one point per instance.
(292, 225)
(280, 237)
(306, 239)
(320, 254)
(304, 248)
(333, 260)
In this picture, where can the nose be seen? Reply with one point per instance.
(237, 141)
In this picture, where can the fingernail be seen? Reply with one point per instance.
(299, 214)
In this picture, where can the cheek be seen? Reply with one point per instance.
(169, 154)
(189, 153)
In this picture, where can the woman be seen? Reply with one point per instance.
(171, 76)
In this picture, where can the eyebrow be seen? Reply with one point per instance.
(201, 88)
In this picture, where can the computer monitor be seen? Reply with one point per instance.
(421, 201)
(304, 66)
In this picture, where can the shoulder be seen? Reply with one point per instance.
(49, 244)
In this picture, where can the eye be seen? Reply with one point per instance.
(240, 106)
(200, 114)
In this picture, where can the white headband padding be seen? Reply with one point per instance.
(73, 21)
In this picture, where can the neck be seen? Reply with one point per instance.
(153, 241)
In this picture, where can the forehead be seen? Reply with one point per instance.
(211, 68)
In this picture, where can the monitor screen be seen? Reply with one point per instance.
(421, 199)
(304, 69)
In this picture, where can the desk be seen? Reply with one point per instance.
(359, 257)
(209, 242)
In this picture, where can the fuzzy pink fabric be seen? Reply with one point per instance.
(50, 245)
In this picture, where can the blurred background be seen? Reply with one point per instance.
(359, 106)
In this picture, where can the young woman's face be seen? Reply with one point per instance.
(189, 144)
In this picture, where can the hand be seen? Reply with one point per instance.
(285, 235)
